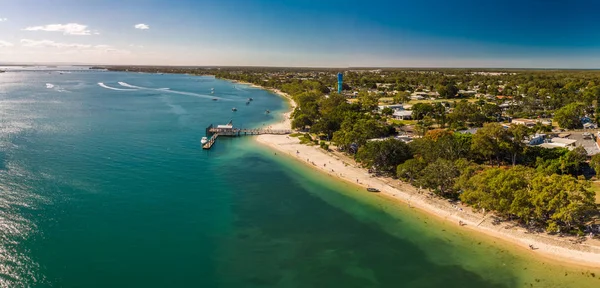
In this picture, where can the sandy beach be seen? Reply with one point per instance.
(565, 249)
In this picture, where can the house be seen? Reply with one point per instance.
(536, 139)
(393, 107)
(468, 131)
(522, 121)
(402, 114)
(417, 97)
(467, 92)
(558, 142)
(405, 139)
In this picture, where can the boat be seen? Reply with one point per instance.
(214, 99)
(250, 99)
(204, 140)
(372, 189)
(233, 109)
(247, 102)
(267, 111)
(212, 92)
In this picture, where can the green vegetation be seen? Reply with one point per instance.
(493, 169)
(543, 194)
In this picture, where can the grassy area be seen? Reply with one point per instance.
(413, 102)
(402, 122)
(296, 134)
(596, 188)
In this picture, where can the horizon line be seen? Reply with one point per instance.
(283, 67)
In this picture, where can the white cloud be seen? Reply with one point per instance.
(5, 44)
(136, 46)
(70, 48)
(66, 29)
(51, 44)
(3, 19)
(142, 26)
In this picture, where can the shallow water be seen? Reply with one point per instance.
(110, 188)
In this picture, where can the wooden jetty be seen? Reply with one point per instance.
(230, 131)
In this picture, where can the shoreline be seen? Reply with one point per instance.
(586, 254)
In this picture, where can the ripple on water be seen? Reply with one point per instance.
(17, 204)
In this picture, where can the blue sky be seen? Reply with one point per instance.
(325, 33)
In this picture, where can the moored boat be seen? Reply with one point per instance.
(372, 189)
(204, 140)
(233, 109)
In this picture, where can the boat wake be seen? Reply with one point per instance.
(131, 86)
(112, 88)
(168, 90)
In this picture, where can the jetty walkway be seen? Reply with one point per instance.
(230, 131)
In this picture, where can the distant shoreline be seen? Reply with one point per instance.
(343, 168)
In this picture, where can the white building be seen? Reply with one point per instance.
(558, 142)
(402, 114)
(536, 139)
(526, 122)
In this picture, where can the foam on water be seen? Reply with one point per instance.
(112, 88)
(168, 90)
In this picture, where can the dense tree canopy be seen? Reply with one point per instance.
(568, 117)
(384, 156)
(540, 189)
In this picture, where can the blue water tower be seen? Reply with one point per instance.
(340, 82)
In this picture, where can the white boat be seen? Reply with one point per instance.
(204, 140)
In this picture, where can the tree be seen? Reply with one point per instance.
(411, 169)
(443, 144)
(357, 128)
(447, 91)
(571, 162)
(490, 141)
(421, 110)
(368, 101)
(384, 156)
(440, 176)
(496, 189)
(401, 97)
(439, 114)
(387, 111)
(466, 112)
(328, 105)
(595, 164)
(518, 135)
(301, 121)
(560, 200)
(423, 125)
(568, 117)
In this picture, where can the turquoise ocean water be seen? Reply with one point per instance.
(106, 185)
